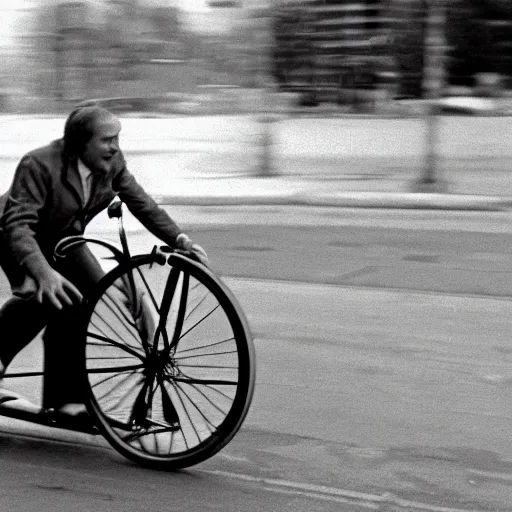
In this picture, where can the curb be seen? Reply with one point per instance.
(349, 200)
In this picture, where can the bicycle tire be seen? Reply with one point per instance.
(199, 351)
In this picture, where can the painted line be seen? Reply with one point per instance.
(331, 499)
(334, 494)
(320, 492)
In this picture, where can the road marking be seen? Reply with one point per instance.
(334, 494)
(332, 499)
(314, 491)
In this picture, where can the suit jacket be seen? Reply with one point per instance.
(45, 204)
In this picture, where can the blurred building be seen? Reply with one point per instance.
(64, 51)
(60, 51)
(337, 42)
(480, 39)
(364, 44)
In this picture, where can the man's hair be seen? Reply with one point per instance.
(79, 126)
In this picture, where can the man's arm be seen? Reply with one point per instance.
(21, 216)
(27, 197)
(154, 218)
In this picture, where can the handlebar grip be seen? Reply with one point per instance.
(115, 210)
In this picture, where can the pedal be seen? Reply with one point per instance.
(152, 425)
(79, 422)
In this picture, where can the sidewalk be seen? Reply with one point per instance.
(341, 162)
(297, 192)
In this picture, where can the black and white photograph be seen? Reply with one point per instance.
(256, 255)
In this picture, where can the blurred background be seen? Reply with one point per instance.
(264, 127)
(375, 84)
(356, 54)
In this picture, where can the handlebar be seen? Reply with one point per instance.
(115, 211)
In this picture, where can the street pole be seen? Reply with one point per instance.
(266, 163)
(433, 83)
(265, 117)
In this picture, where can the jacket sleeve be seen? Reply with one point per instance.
(26, 199)
(154, 218)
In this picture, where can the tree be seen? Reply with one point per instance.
(479, 34)
(409, 44)
(294, 46)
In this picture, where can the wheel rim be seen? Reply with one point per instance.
(189, 365)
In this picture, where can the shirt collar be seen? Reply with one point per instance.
(84, 171)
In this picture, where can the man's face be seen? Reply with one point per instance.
(98, 154)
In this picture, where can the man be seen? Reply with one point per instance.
(56, 191)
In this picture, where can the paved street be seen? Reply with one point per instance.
(382, 335)
(366, 397)
(432, 251)
(373, 397)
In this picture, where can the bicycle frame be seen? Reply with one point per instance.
(182, 383)
(45, 416)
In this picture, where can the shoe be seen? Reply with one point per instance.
(71, 415)
(14, 400)
(72, 410)
(6, 395)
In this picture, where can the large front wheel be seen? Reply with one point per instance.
(169, 362)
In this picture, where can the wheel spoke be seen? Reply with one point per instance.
(199, 321)
(196, 306)
(211, 366)
(118, 404)
(164, 377)
(212, 388)
(121, 315)
(207, 346)
(180, 358)
(111, 369)
(190, 421)
(110, 326)
(116, 386)
(126, 348)
(148, 289)
(205, 397)
(211, 426)
(206, 382)
(106, 379)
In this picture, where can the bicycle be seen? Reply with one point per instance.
(169, 363)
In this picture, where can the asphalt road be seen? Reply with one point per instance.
(432, 251)
(367, 398)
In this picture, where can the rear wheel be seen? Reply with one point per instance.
(169, 360)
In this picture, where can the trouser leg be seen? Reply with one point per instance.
(63, 360)
(20, 322)
(63, 350)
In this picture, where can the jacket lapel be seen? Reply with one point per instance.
(72, 180)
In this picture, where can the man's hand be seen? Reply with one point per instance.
(57, 290)
(184, 243)
(200, 253)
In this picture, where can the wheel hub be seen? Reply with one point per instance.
(161, 362)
